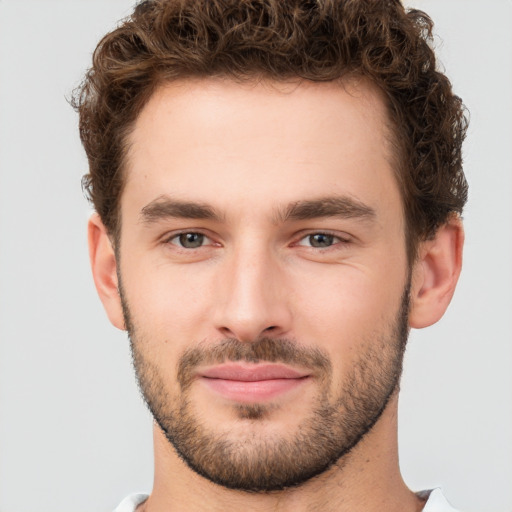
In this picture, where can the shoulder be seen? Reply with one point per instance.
(130, 503)
(436, 501)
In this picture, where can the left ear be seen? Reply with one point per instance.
(435, 274)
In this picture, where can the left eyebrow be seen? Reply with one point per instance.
(165, 207)
(336, 206)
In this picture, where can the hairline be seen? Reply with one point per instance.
(394, 153)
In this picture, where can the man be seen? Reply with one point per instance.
(278, 188)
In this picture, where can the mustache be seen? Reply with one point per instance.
(270, 350)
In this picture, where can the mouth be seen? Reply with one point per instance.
(250, 383)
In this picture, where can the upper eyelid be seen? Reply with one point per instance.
(169, 240)
(169, 235)
(343, 237)
(346, 237)
(337, 240)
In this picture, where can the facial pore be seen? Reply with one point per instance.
(338, 421)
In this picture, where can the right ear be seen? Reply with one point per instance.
(104, 270)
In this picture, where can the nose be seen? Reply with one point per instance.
(253, 299)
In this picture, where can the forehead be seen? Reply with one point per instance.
(210, 140)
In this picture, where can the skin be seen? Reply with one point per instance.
(249, 152)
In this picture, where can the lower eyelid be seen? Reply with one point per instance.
(337, 239)
(174, 238)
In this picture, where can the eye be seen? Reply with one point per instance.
(320, 240)
(190, 240)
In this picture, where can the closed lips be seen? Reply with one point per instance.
(252, 373)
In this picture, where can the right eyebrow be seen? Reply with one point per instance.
(165, 207)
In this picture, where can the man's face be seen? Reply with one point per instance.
(263, 274)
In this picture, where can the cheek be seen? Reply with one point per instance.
(167, 301)
(349, 308)
(354, 323)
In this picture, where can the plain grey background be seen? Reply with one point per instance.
(74, 434)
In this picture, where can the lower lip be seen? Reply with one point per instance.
(253, 391)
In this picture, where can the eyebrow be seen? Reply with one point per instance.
(346, 207)
(165, 207)
(335, 206)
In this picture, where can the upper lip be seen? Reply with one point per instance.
(252, 372)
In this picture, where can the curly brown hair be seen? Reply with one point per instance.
(317, 40)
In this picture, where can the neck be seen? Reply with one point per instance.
(368, 478)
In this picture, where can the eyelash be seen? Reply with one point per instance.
(334, 240)
(177, 236)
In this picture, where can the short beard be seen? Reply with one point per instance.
(254, 463)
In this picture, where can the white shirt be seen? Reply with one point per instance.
(436, 502)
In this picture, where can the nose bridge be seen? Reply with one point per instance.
(250, 304)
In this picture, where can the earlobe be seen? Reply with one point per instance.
(435, 274)
(104, 270)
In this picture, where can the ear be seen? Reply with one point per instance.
(104, 270)
(435, 274)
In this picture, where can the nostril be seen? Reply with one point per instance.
(271, 328)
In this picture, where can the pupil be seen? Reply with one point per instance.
(191, 240)
(321, 240)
